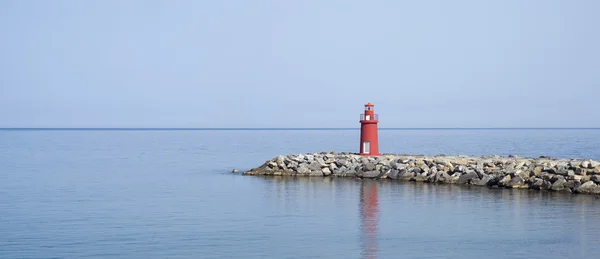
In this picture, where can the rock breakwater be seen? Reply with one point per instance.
(544, 173)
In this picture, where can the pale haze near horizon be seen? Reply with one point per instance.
(299, 63)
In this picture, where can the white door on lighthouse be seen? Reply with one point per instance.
(367, 147)
(368, 117)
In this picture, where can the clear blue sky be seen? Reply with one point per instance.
(460, 63)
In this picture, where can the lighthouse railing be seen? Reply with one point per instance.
(374, 118)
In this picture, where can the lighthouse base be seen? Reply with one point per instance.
(370, 154)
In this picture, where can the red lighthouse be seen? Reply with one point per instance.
(369, 145)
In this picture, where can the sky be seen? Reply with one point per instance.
(299, 64)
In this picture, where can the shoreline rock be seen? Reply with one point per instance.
(543, 173)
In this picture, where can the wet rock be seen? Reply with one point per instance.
(517, 182)
(504, 180)
(432, 177)
(483, 181)
(572, 184)
(407, 176)
(369, 174)
(558, 185)
(588, 187)
(420, 178)
(326, 171)
(385, 174)
(443, 177)
(546, 185)
(394, 175)
(537, 184)
(465, 178)
(350, 173)
(454, 178)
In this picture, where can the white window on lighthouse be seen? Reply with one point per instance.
(366, 147)
(368, 117)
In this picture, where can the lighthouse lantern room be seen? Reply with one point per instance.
(369, 145)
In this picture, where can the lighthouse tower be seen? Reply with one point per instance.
(369, 145)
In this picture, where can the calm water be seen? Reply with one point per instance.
(170, 194)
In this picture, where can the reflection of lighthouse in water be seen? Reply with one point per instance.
(369, 210)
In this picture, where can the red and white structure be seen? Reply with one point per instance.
(369, 142)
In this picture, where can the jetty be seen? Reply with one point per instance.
(543, 173)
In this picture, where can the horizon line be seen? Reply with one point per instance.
(293, 128)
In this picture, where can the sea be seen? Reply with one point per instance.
(171, 193)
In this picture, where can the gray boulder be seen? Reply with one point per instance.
(516, 182)
(350, 173)
(588, 187)
(341, 162)
(332, 167)
(572, 184)
(562, 171)
(298, 158)
(483, 181)
(523, 174)
(406, 175)
(420, 178)
(465, 178)
(537, 184)
(394, 174)
(504, 180)
(585, 164)
(320, 161)
(303, 169)
(292, 165)
(369, 174)
(316, 173)
(315, 166)
(385, 174)
(558, 185)
(369, 166)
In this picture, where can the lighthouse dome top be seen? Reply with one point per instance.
(369, 104)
